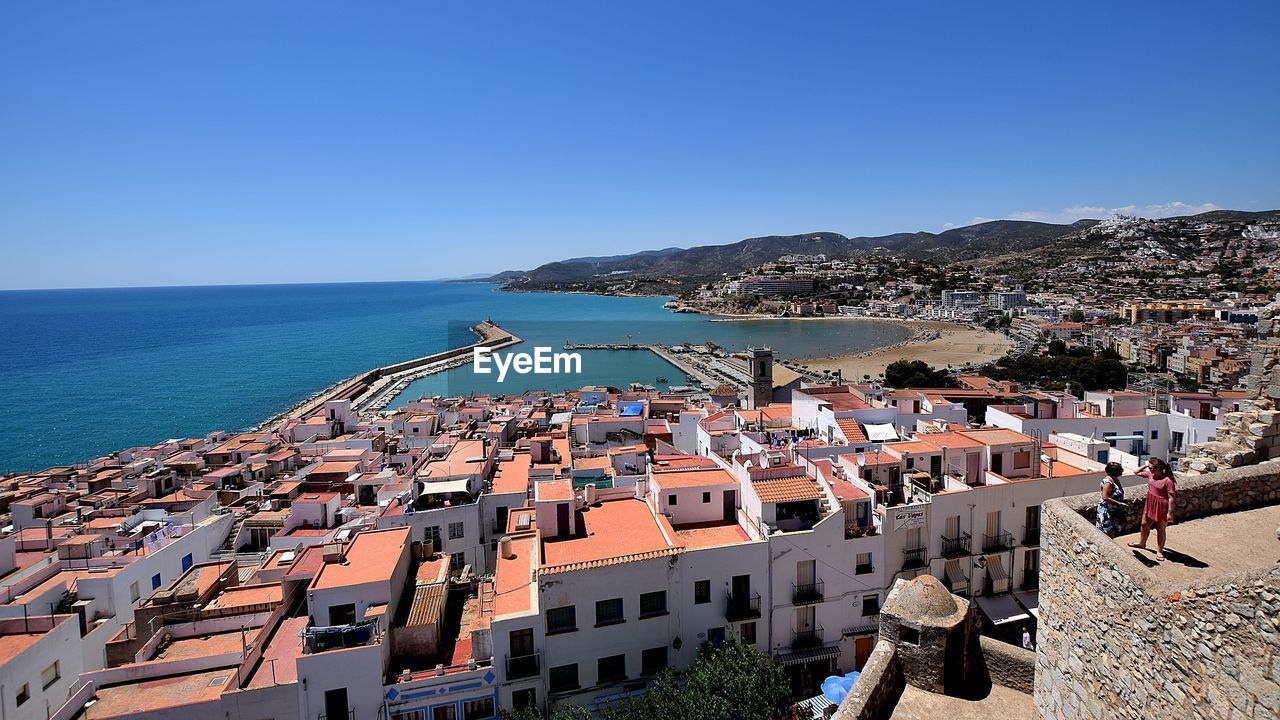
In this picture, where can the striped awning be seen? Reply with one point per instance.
(811, 655)
(954, 574)
(995, 569)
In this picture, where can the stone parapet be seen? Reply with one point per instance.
(1118, 641)
(1009, 665)
(879, 684)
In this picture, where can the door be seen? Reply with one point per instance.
(342, 614)
(521, 642)
(997, 463)
(805, 573)
(730, 504)
(445, 712)
(935, 466)
(862, 648)
(500, 524)
(805, 619)
(335, 704)
(952, 530)
(740, 586)
(993, 525)
(972, 467)
(562, 519)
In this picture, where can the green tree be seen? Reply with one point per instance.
(916, 373)
(731, 682)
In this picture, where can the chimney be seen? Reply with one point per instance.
(504, 546)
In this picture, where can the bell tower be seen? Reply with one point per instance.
(761, 366)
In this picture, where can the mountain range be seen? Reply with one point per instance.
(983, 242)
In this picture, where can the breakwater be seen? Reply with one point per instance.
(372, 390)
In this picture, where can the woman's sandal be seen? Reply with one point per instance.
(1137, 546)
(1159, 557)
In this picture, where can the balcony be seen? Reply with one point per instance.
(913, 558)
(523, 666)
(803, 639)
(998, 542)
(955, 546)
(742, 607)
(806, 593)
(1031, 535)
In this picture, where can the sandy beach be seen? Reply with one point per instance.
(938, 343)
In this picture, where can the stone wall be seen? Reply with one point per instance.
(1009, 665)
(1253, 434)
(1115, 641)
(879, 684)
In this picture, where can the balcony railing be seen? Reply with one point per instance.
(523, 666)
(1030, 579)
(913, 558)
(807, 638)
(955, 546)
(806, 593)
(1031, 535)
(995, 543)
(742, 607)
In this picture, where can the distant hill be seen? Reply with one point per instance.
(987, 243)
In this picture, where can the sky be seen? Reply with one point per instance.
(163, 143)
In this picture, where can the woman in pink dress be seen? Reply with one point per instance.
(1158, 508)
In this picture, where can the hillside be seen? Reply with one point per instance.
(1009, 244)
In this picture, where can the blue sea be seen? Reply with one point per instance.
(86, 372)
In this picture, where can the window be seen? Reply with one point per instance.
(715, 636)
(654, 603)
(864, 564)
(455, 531)
(456, 561)
(701, 592)
(155, 581)
(1155, 434)
(706, 497)
(24, 694)
(609, 612)
(134, 595)
(431, 534)
(187, 562)
(908, 635)
(1022, 460)
(564, 677)
(481, 709)
(871, 604)
(526, 698)
(611, 669)
(653, 660)
(50, 675)
(747, 632)
(562, 619)
(671, 499)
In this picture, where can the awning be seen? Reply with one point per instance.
(1030, 601)
(435, 487)
(881, 433)
(995, 569)
(956, 576)
(1001, 609)
(804, 656)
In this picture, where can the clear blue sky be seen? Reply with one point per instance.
(150, 143)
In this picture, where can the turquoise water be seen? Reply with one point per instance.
(85, 372)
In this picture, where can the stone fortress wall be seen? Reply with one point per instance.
(1253, 434)
(1115, 641)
